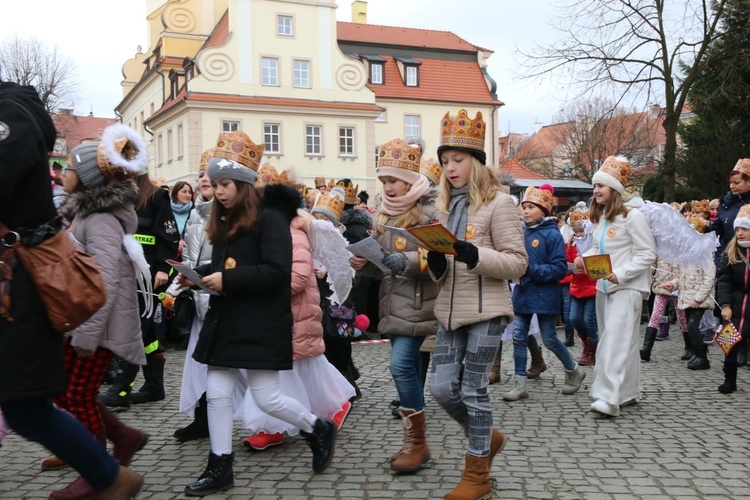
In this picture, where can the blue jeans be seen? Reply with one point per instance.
(583, 316)
(406, 369)
(547, 324)
(37, 420)
(566, 306)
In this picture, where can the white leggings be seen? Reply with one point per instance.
(264, 384)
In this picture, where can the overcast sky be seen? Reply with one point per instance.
(100, 35)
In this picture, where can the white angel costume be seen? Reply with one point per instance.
(313, 382)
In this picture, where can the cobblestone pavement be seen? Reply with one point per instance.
(684, 440)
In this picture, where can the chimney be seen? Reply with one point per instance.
(359, 11)
(537, 127)
(654, 110)
(65, 111)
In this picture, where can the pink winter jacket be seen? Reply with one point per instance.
(308, 326)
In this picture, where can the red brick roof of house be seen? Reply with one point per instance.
(544, 142)
(183, 95)
(78, 129)
(220, 34)
(518, 171)
(436, 82)
(406, 37)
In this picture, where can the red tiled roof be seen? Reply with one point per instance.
(220, 35)
(183, 95)
(544, 142)
(77, 129)
(408, 37)
(518, 171)
(437, 82)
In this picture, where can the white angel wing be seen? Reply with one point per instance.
(329, 248)
(676, 240)
(142, 272)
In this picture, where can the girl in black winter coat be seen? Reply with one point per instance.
(733, 292)
(247, 333)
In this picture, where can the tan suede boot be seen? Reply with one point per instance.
(497, 444)
(475, 481)
(414, 452)
(495, 371)
(127, 484)
(537, 361)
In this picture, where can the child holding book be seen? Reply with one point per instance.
(582, 293)
(473, 306)
(733, 292)
(626, 236)
(407, 294)
(539, 291)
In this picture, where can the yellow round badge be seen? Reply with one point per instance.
(611, 232)
(230, 263)
(400, 243)
(471, 231)
(534, 243)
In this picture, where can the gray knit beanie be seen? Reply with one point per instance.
(86, 165)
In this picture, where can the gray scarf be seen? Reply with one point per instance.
(459, 212)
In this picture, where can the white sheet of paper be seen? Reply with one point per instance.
(191, 275)
(370, 250)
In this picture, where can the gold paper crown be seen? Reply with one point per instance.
(541, 197)
(205, 158)
(618, 169)
(744, 212)
(700, 206)
(330, 202)
(398, 153)
(462, 131)
(267, 174)
(431, 169)
(742, 166)
(238, 147)
(577, 217)
(320, 181)
(350, 191)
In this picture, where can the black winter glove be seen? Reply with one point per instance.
(467, 253)
(437, 263)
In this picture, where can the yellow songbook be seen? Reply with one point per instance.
(598, 266)
(432, 237)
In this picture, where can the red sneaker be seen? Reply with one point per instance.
(261, 441)
(341, 415)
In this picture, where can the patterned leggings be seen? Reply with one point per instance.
(461, 361)
(660, 308)
(85, 376)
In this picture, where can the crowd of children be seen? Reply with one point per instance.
(259, 243)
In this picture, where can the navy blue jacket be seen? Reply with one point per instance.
(723, 226)
(540, 290)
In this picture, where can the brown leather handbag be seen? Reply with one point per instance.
(67, 279)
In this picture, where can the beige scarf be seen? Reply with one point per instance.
(400, 204)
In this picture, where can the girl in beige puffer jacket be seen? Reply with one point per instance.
(474, 305)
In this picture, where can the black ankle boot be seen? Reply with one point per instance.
(217, 477)
(118, 394)
(321, 441)
(153, 372)
(570, 338)
(688, 349)
(648, 343)
(198, 428)
(730, 379)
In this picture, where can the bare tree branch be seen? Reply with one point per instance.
(651, 48)
(28, 61)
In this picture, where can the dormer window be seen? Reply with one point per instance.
(409, 69)
(377, 68)
(174, 82)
